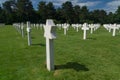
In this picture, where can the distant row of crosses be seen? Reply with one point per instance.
(50, 35)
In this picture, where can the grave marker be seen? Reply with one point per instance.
(114, 27)
(28, 33)
(65, 26)
(85, 28)
(50, 35)
(22, 29)
(91, 28)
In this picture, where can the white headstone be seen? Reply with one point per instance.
(22, 29)
(85, 28)
(77, 26)
(65, 26)
(114, 27)
(49, 34)
(110, 27)
(91, 28)
(28, 33)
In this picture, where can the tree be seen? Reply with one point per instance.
(117, 15)
(9, 10)
(68, 12)
(84, 14)
(59, 16)
(46, 11)
(99, 16)
(22, 11)
(50, 10)
(76, 13)
(25, 11)
(110, 18)
(42, 11)
(1, 15)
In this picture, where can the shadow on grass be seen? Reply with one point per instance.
(72, 65)
(32, 37)
(38, 44)
(89, 38)
(117, 35)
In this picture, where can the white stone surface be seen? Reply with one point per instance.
(22, 29)
(50, 34)
(114, 27)
(49, 29)
(49, 54)
(91, 26)
(65, 26)
(85, 28)
(111, 27)
(28, 33)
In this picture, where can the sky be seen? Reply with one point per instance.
(107, 5)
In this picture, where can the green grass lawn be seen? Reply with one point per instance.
(97, 58)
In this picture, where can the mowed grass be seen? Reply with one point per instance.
(96, 58)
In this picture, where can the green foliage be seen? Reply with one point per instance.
(9, 11)
(50, 11)
(22, 11)
(25, 10)
(77, 11)
(2, 18)
(117, 15)
(68, 12)
(46, 11)
(84, 14)
(42, 11)
(111, 18)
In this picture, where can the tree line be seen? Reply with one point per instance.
(13, 11)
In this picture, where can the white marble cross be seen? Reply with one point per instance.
(77, 26)
(22, 29)
(114, 27)
(91, 26)
(65, 26)
(28, 33)
(110, 27)
(85, 28)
